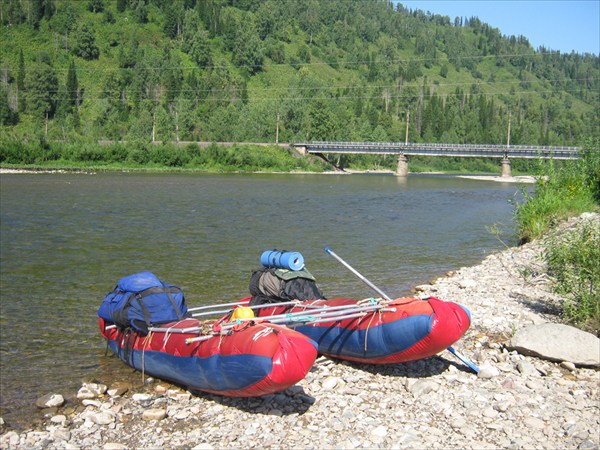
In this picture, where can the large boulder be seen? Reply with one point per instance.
(557, 342)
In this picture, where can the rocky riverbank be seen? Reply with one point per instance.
(515, 401)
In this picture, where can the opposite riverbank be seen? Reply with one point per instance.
(524, 179)
(515, 402)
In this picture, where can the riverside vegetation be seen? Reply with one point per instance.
(238, 157)
(573, 258)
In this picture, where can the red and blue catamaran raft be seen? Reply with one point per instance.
(374, 331)
(217, 356)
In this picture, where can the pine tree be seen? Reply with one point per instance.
(171, 24)
(96, 6)
(13, 14)
(21, 83)
(72, 88)
(42, 89)
(86, 44)
(37, 13)
(140, 11)
(49, 9)
(248, 53)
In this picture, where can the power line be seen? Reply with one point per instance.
(335, 98)
(320, 63)
(418, 85)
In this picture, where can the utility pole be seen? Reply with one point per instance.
(153, 126)
(407, 121)
(508, 134)
(277, 130)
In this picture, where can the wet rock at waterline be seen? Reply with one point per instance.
(91, 390)
(50, 401)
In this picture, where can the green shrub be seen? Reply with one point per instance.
(91, 154)
(169, 155)
(574, 261)
(561, 191)
(18, 150)
(138, 153)
(116, 153)
(14, 152)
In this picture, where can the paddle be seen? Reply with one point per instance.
(451, 349)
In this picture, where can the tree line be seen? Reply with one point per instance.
(287, 70)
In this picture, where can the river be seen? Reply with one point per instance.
(66, 239)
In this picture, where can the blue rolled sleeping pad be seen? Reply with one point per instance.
(282, 260)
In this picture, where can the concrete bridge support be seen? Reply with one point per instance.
(402, 168)
(301, 149)
(505, 168)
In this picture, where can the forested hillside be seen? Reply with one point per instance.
(292, 70)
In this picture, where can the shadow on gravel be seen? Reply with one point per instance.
(415, 369)
(295, 400)
(291, 401)
(543, 306)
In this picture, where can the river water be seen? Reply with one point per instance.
(66, 239)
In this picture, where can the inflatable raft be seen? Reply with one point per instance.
(374, 331)
(242, 360)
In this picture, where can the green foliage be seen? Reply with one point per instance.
(560, 192)
(21, 83)
(96, 6)
(121, 5)
(86, 47)
(573, 260)
(72, 87)
(247, 51)
(141, 154)
(591, 169)
(42, 89)
(332, 69)
(140, 11)
(7, 116)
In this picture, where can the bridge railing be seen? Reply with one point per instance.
(460, 150)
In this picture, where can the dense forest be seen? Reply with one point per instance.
(285, 70)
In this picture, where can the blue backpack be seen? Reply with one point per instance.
(141, 300)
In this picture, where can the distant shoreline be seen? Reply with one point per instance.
(527, 179)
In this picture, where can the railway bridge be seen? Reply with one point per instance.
(503, 152)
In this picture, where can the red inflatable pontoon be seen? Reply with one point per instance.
(405, 329)
(250, 359)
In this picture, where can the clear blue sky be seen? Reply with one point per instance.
(563, 25)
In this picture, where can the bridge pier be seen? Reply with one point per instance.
(505, 168)
(402, 167)
(301, 149)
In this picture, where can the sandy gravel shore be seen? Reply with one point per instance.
(518, 179)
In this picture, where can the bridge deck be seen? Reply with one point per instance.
(458, 150)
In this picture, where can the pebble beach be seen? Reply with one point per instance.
(514, 402)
